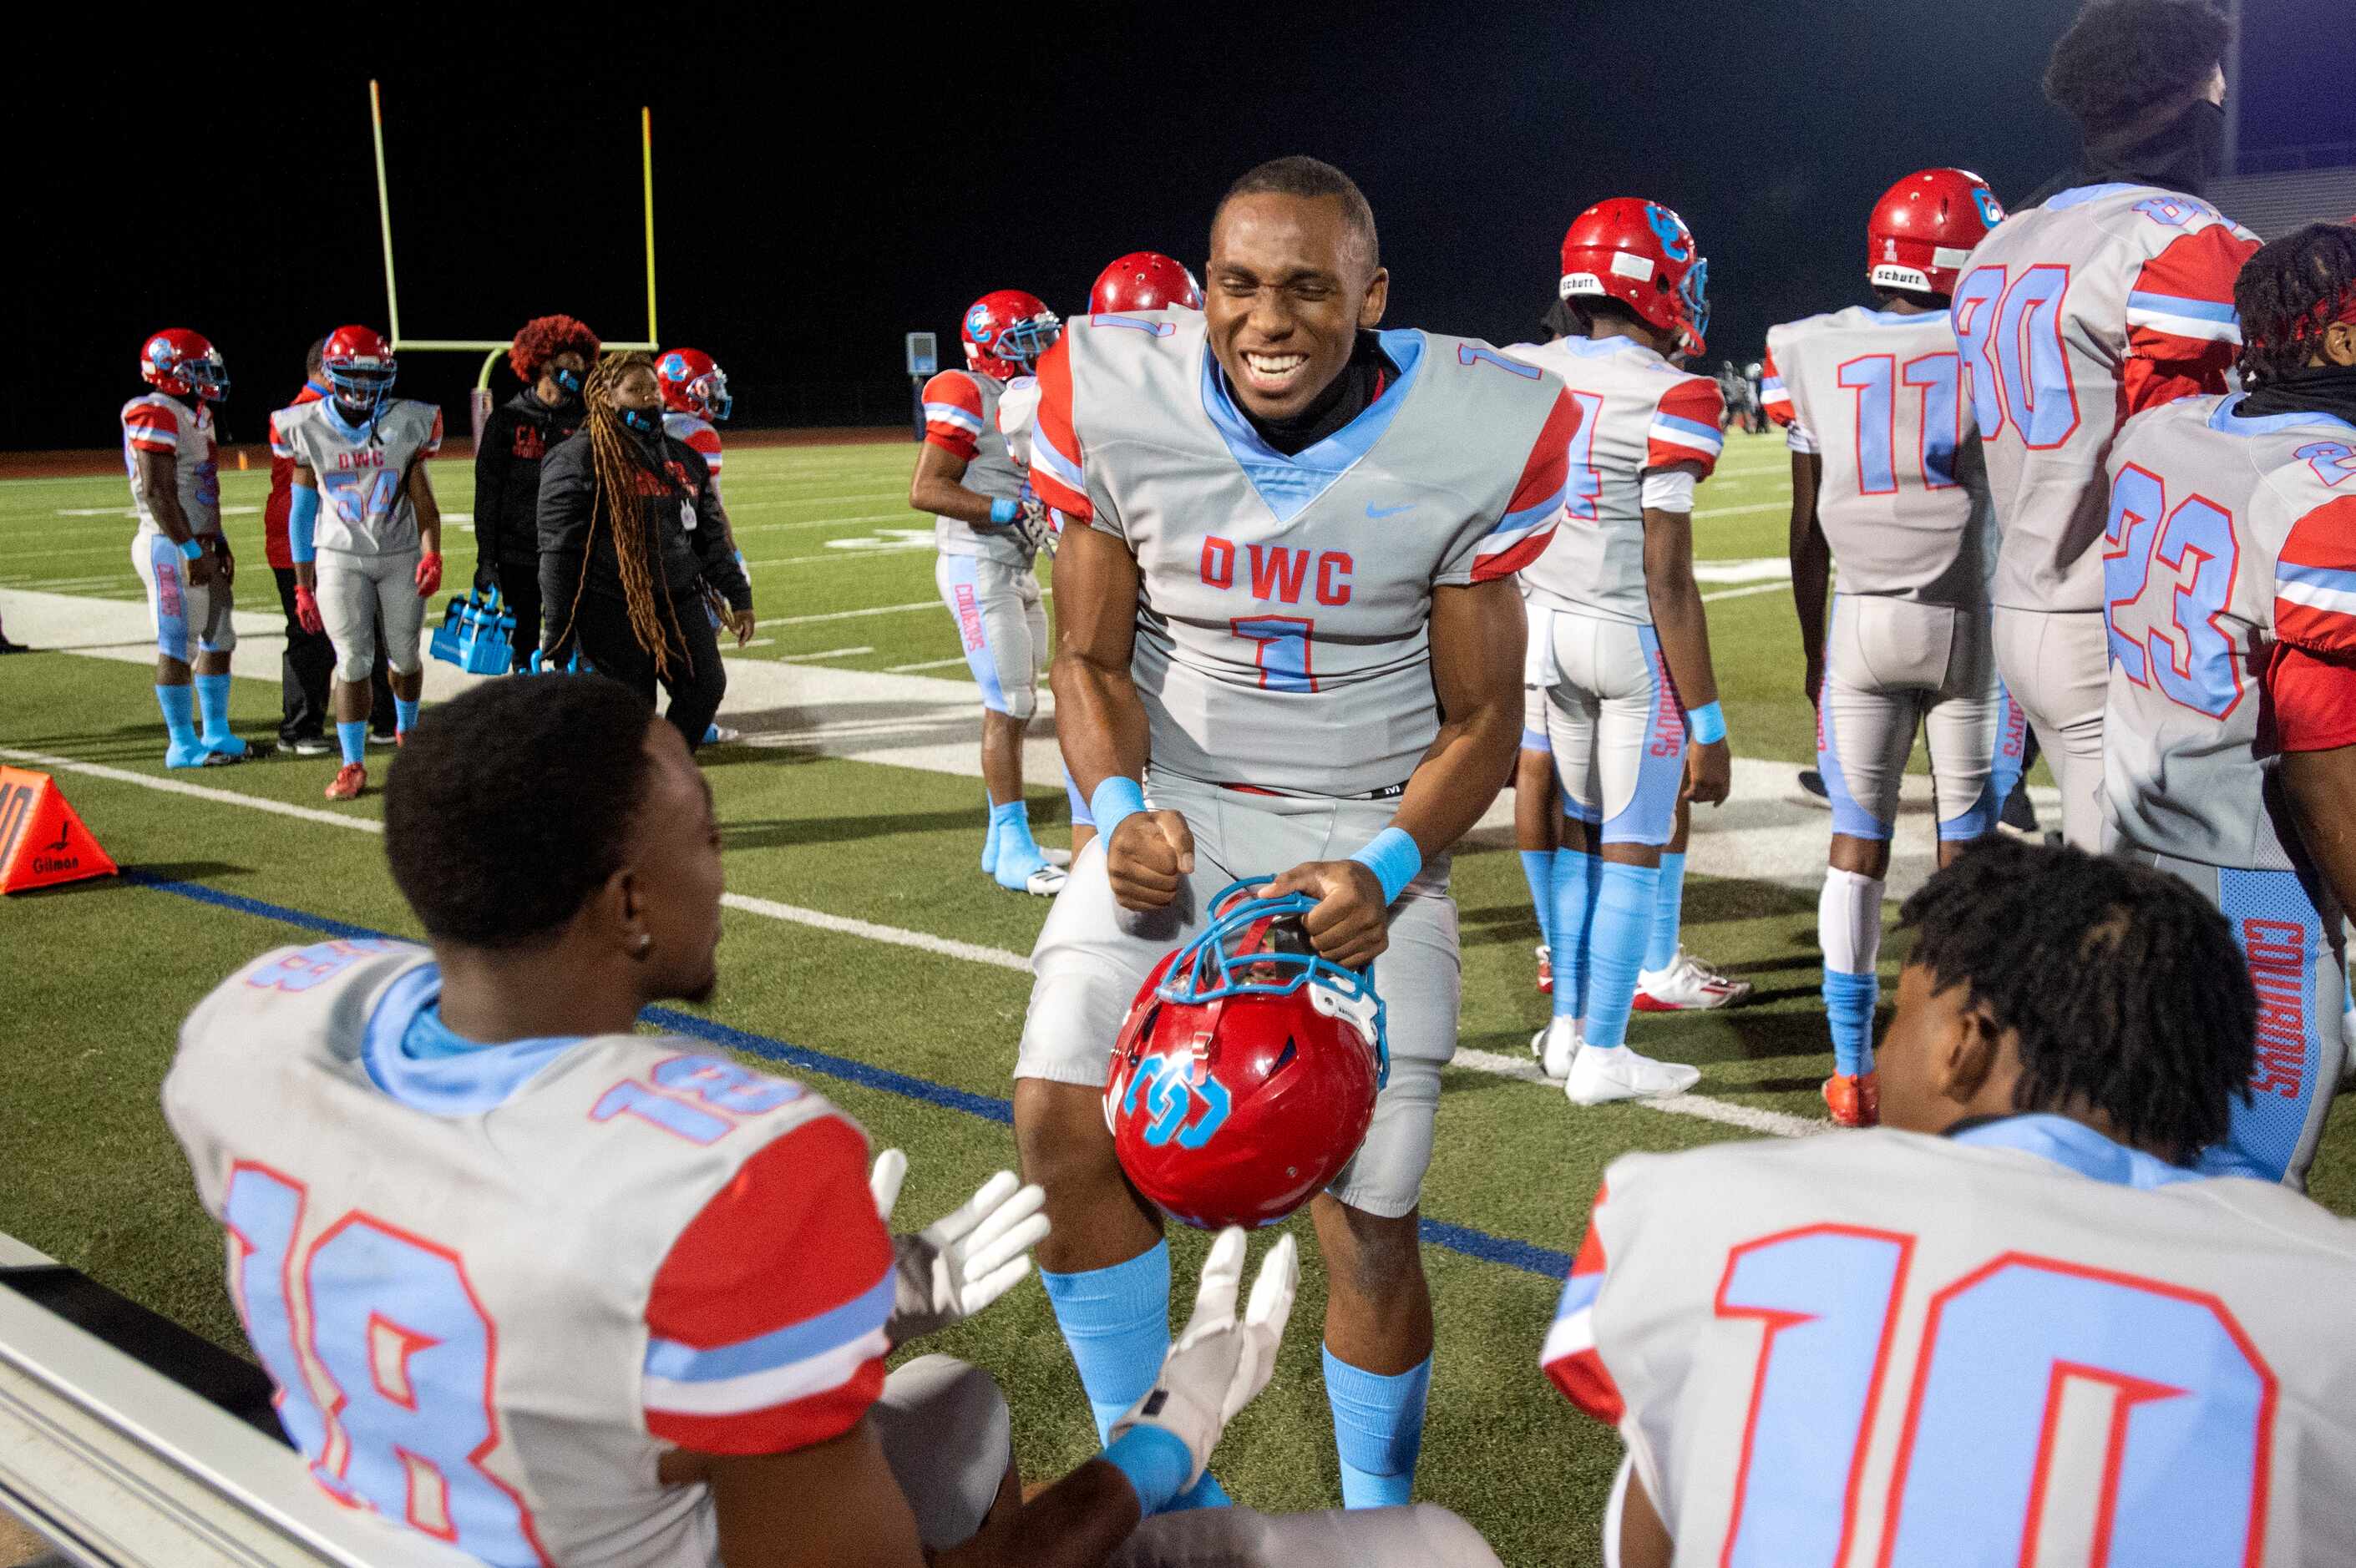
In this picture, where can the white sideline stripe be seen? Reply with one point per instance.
(847, 615)
(1745, 592)
(924, 664)
(1749, 1118)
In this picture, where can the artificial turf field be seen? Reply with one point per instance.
(916, 1041)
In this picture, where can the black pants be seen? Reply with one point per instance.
(518, 583)
(304, 671)
(697, 679)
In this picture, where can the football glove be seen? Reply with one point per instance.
(1218, 1364)
(306, 611)
(962, 1262)
(429, 574)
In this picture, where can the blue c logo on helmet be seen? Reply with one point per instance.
(674, 365)
(1991, 211)
(1170, 1097)
(1676, 243)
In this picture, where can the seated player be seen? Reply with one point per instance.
(365, 532)
(2231, 604)
(1623, 643)
(180, 552)
(1887, 482)
(695, 402)
(552, 1290)
(2012, 1326)
(988, 533)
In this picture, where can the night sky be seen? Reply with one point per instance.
(819, 195)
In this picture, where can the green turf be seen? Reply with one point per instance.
(95, 978)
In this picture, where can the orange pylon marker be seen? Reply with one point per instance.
(42, 840)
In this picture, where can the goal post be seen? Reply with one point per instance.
(480, 400)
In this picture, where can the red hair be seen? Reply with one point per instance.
(544, 337)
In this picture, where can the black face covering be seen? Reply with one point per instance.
(646, 421)
(2317, 389)
(2184, 155)
(1344, 399)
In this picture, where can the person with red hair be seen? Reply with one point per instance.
(551, 357)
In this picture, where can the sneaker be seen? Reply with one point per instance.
(311, 746)
(384, 738)
(1855, 1100)
(722, 735)
(1031, 874)
(238, 751)
(1546, 970)
(1557, 1046)
(350, 779)
(1813, 782)
(1603, 1073)
(198, 755)
(1687, 985)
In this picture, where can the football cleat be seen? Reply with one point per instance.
(1922, 229)
(1854, 1099)
(1005, 331)
(178, 362)
(200, 755)
(1546, 969)
(1641, 254)
(1557, 1046)
(311, 746)
(350, 779)
(1244, 1078)
(1603, 1073)
(1686, 986)
(722, 735)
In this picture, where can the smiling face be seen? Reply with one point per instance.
(1292, 282)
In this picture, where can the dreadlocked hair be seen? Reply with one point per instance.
(542, 338)
(2122, 985)
(2288, 292)
(618, 465)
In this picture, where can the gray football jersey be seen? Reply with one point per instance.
(1903, 496)
(1638, 413)
(364, 506)
(451, 1268)
(156, 423)
(2216, 529)
(961, 414)
(1884, 1347)
(1283, 631)
(2072, 317)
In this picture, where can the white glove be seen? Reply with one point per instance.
(962, 1262)
(1218, 1364)
(1030, 526)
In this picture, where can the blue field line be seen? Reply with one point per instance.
(1526, 1256)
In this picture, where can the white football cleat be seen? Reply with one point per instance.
(1601, 1073)
(1556, 1047)
(1687, 985)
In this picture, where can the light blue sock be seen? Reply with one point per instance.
(1668, 914)
(990, 837)
(1378, 1429)
(1849, 1005)
(352, 736)
(1116, 1322)
(1573, 911)
(1081, 815)
(1018, 853)
(212, 703)
(404, 715)
(179, 706)
(1625, 900)
(1538, 869)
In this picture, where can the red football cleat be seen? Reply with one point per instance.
(1546, 971)
(350, 779)
(1854, 1101)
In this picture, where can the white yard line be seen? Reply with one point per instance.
(924, 664)
(1745, 592)
(1749, 1118)
(829, 653)
(848, 614)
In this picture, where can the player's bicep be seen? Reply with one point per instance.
(937, 465)
(1096, 588)
(832, 1503)
(1478, 631)
(158, 471)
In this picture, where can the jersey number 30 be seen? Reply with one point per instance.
(2056, 1412)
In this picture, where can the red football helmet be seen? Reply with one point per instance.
(692, 384)
(1923, 228)
(1245, 1076)
(359, 365)
(1144, 280)
(1005, 331)
(181, 363)
(1641, 254)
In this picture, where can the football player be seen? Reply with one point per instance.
(365, 531)
(2231, 604)
(553, 1290)
(1888, 482)
(1623, 644)
(551, 355)
(180, 552)
(988, 533)
(2012, 1325)
(695, 401)
(1284, 606)
(2108, 293)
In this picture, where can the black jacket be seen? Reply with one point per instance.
(520, 433)
(683, 556)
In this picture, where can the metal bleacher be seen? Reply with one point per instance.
(2273, 203)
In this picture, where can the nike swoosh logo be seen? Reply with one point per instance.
(1375, 511)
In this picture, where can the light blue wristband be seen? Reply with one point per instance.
(1004, 510)
(1156, 1463)
(303, 524)
(190, 548)
(1115, 798)
(1394, 858)
(1707, 723)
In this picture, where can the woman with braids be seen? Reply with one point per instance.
(2230, 719)
(550, 356)
(629, 530)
